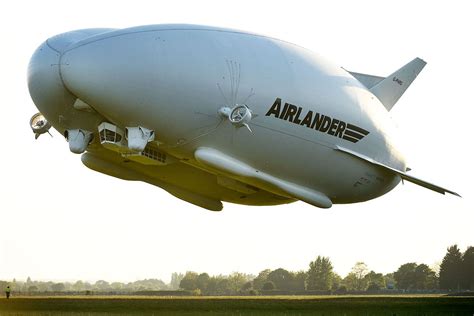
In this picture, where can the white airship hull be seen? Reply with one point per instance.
(178, 82)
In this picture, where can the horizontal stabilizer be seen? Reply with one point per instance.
(367, 80)
(390, 89)
(402, 174)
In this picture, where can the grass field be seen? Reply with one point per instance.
(274, 305)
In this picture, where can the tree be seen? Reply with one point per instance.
(320, 274)
(78, 286)
(102, 285)
(188, 282)
(336, 281)
(44, 286)
(389, 281)
(175, 280)
(468, 269)
(202, 281)
(358, 272)
(268, 286)
(57, 287)
(425, 278)
(247, 286)
(411, 276)
(212, 285)
(237, 281)
(450, 273)
(260, 280)
(281, 278)
(405, 276)
(87, 286)
(3, 285)
(148, 285)
(116, 286)
(350, 282)
(341, 290)
(299, 280)
(223, 286)
(374, 281)
(373, 287)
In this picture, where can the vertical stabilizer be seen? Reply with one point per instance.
(389, 90)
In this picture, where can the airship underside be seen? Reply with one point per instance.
(211, 115)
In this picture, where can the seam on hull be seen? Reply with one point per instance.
(184, 29)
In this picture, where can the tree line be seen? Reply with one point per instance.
(456, 273)
(30, 286)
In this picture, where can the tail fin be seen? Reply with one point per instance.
(390, 89)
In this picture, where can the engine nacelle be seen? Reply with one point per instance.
(78, 140)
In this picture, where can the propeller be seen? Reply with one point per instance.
(239, 114)
(40, 125)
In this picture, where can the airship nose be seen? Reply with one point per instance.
(45, 83)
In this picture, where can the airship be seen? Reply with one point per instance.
(216, 115)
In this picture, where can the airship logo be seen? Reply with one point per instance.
(317, 121)
(397, 80)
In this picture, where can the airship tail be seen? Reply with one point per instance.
(388, 90)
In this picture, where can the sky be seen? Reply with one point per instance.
(61, 221)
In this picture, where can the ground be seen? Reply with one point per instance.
(262, 305)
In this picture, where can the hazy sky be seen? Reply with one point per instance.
(61, 221)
